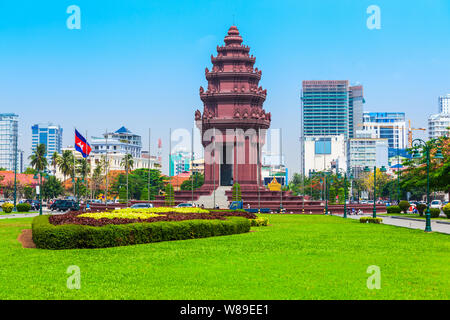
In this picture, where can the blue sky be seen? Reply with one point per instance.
(141, 63)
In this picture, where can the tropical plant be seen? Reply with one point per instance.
(54, 161)
(52, 188)
(127, 163)
(38, 159)
(65, 163)
(196, 180)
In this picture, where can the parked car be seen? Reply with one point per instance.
(182, 205)
(64, 205)
(436, 204)
(142, 205)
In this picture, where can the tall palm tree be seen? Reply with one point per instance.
(65, 163)
(83, 167)
(38, 158)
(54, 161)
(128, 163)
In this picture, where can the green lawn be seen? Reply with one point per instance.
(296, 257)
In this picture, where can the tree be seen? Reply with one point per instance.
(83, 168)
(367, 181)
(97, 179)
(237, 195)
(30, 170)
(65, 163)
(54, 161)
(169, 196)
(52, 188)
(38, 158)
(127, 163)
(196, 180)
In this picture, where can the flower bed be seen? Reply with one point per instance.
(134, 226)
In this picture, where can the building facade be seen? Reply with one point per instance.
(9, 136)
(369, 152)
(325, 153)
(179, 163)
(48, 134)
(122, 141)
(438, 125)
(444, 104)
(387, 125)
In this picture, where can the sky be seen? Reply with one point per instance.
(140, 64)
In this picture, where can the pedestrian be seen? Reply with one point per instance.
(203, 207)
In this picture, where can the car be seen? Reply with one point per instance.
(436, 204)
(64, 205)
(142, 205)
(185, 205)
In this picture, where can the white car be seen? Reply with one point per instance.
(436, 204)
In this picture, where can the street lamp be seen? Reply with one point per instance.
(382, 169)
(426, 148)
(345, 190)
(322, 174)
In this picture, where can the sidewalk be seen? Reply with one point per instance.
(435, 226)
(27, 215)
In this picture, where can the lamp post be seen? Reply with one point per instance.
(382, 169)
(39, 190)
(324, 175)
(345, 190)
(426, 148)
(398, 176)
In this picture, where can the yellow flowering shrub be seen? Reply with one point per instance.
(120, 214)
(164, 210)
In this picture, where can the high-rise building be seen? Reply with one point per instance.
(122, 141)
(387, 125)
(325, 153)
(179, 162)
(331, 109)
(369, 152)
(9, 134)
(48, 134)
(444, 104)
(438, 125)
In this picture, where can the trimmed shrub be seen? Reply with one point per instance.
(49, 236)
(259, 222)
(421, 208)
(435, 212)
(7, 207)
(23, 207)
(370, 220)
(393, 209)
(404, 206)
(446, 210)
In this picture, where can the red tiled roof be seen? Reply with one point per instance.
(22, 178)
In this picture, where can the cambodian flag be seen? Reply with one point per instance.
(81, 144)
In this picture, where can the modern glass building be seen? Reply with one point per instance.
(179, 162)
(387, 125)
(9, 134)
(48, 134)
(330, 108)
(369, 152)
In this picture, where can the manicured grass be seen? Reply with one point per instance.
(296, 257)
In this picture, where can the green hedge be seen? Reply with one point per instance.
(370, 220)
(48, 236)
(259, 222)
(23, 207)
(404, 206)
(435, 212)
(393, 209)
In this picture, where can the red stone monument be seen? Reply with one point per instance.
(233, 121)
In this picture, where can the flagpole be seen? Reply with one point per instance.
(73, 180)
(149, 164)
(107, 167)
(85, 171)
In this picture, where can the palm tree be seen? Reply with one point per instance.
(38, 158)
(127, 163)
(83, 168)
(54, 161)
(65, 163)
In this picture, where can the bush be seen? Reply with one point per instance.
(393, 209)
(421, 208)
(23, 207)
(446, 210)
(7, 207)
(370, 220)
(259, 222)
(435, 212)
(49, 236)
(404, 206)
